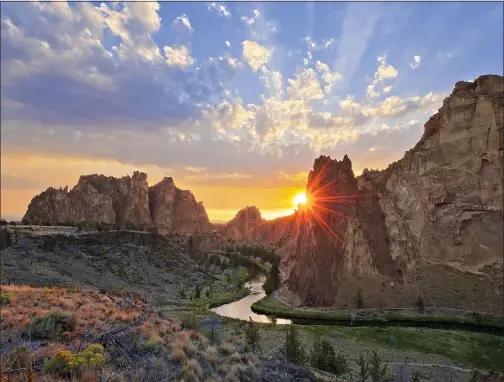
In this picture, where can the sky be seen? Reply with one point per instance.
(232, 100)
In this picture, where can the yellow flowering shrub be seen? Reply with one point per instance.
(66, 363)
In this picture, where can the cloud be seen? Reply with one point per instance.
(273, 81)
(393, 106)
(106, 58)
(305, 86)
(228, 44)
(220, 9)
(253, 19)
(182, 24)
(383, 72)
(91, 81)
(178, 56)
(417, 60)
(255, 54)
(196, 170)
(328, 76)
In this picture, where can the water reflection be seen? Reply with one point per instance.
(241, 309)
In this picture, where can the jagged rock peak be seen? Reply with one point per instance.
(243, 225)
(125, 201)
(489, 83)
(434, 217)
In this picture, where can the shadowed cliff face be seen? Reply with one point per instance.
(341, 232)
(434, 218)
(126, 201)
(243, 226)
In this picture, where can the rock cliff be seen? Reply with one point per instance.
(126, 201)
(242, 227)
(430, 224)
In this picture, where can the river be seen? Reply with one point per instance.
(241, 309)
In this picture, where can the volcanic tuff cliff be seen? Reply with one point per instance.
(430, 224)
(242, 227)
(126, 201)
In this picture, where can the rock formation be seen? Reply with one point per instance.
(430, 224)
(242, 226)
(124, 202)
(176, 210)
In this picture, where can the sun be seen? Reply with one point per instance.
(300, 198)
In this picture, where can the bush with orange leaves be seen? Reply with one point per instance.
(71, 310)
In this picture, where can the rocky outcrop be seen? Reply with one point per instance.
(242, 227)
(123, 202)
(430, 224)
(176, 210)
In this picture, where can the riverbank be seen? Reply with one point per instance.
(431, 317)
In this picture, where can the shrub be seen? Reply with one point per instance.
(197, 292)
(272, 280)
(294, 349)
(4, 299)
(52, 326)
(192, 370)
(5, 238)
(360, 300)
(252, 335)
(66, 363)
(190, 321)
(419, 303)
(152, 346)
(377, 371)
(363, 369)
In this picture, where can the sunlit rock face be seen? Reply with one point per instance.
(430, 224)
(124, 202)
(175, 210)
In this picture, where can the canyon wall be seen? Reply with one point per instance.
(430, 224)
(123, 202)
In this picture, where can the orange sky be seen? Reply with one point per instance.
(25, 176)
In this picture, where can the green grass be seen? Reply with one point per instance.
(474, 319)
(242, 257)
(271, 307)
(479, 350)
(229, 294)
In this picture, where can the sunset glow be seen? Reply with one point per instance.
(300, 198)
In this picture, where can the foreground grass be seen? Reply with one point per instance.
(177, 352)
(479, 350)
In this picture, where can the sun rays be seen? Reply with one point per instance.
(329, 200)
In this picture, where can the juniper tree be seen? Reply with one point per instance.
(252, 335)
(364, 371)
(377, 370)
(294, 350)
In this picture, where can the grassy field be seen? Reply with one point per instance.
(479, 350)
(270, 306)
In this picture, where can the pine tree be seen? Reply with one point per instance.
(360, 301)
(197, 292)
(252, 335)
(420, 304)
(294, 349)
(363, 369)
(377, 371)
